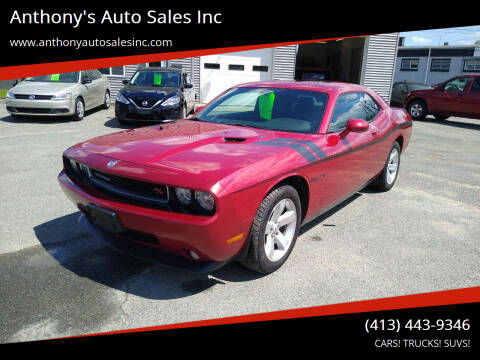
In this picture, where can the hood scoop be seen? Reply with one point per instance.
(234, 139)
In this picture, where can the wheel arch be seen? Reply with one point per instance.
(299, 183)
(419, 99)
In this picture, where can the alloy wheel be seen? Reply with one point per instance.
(280, 229)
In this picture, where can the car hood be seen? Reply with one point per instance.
(41, 88)
(148, 92)
(195, 148)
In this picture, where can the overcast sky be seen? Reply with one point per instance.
(466, 35)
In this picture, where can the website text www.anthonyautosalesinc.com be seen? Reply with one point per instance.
(90, 43)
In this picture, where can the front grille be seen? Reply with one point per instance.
(152, 116)
(119, 187)
(30, 110)
(139, 101)
(36, 97)
(136, 192)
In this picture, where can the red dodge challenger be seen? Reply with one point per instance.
(236, 181)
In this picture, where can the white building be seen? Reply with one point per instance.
(369, 61)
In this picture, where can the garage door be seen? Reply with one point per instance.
(219, 72)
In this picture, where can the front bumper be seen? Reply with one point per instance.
(159, 113)
(40, 107)
(164, 236)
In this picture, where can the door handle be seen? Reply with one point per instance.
(460, 94)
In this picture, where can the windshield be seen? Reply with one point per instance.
(71, 77)
(268, 108)
(156, 78)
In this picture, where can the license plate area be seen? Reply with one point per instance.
(107, 220)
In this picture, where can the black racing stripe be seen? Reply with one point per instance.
(401, 126)
(320, 153)
(299, 148)
(311, 145)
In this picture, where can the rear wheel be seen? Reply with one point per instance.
(417, 109)
(274, 230)
(387, 177)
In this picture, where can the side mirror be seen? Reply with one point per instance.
(357, 125)
(86, 81)
(125, 82)
(188, 86)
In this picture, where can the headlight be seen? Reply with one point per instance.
(174, 100)
(184, 195)
(65, 96)
(205, 200)
(10, 95)
(121, 98)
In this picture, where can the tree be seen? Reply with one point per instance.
(477, 42)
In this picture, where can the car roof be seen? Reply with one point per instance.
(320, 86)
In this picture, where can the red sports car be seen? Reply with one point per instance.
(236, 181)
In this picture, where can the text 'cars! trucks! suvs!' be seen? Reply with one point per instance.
(236, 181)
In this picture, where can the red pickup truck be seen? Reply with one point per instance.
(459, 96)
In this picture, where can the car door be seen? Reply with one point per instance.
(446, 99)
(470, 100)
(97, 87)
(352, 158)
(87, 88)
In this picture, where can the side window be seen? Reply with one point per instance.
(400, 87)
(92, 75)
(187, 78)
(457, 84)
(476, 84)
(353, 105)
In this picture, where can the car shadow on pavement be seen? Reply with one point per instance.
(115, 124)
(72, 247)
(326, 215)
(458, 124)
(46, 119)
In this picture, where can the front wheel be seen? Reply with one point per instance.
(387, 177)
(79, 110)
(274, 230)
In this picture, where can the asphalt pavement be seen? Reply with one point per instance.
(57, 280)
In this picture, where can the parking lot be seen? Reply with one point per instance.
(57, 280)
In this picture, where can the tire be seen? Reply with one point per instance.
(79, 110)
(417, 109)
(184, 112)
(389, 174)
(441, 117)
(270, 242)
(106, 101)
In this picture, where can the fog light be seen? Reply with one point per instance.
(194, 255)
